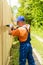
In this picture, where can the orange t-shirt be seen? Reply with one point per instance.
(21, 32)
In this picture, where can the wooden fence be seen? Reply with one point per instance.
(5, 38)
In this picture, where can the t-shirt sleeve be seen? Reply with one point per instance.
(28, 27)
(15, 32)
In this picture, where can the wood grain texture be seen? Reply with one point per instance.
(5, 38)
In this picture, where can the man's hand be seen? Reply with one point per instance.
(10, 26)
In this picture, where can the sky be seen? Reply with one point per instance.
(13, 2)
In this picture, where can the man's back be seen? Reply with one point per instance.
(24, 33)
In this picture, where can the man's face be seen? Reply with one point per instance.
(20, 23)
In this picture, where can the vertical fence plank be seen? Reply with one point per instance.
(0, 32)
(5, 38)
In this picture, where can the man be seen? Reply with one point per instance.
(23, 33)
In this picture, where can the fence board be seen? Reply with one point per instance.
(5, 38)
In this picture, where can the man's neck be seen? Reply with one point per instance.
(22, 25)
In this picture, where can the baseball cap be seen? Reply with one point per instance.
(20, 18)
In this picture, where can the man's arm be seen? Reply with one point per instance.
(14, 32)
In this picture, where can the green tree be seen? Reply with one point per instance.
(32, 10)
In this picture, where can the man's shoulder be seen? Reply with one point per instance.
(21, 28)
(24, 26)
(27, 24)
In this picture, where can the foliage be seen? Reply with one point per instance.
(14, 9)
(32, 10)
(14, 53)
(37, 45)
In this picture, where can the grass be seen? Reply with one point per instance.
(37, 45)
(37, 31)
(14, 53)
